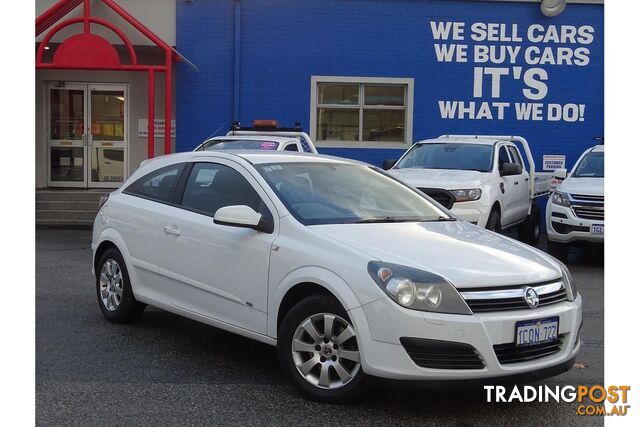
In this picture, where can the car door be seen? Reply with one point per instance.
(217, 271)
(510, 187)
(521, 186)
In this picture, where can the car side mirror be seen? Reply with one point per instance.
(388, 164)
(238, 216)
(560, 173)
(509, 169)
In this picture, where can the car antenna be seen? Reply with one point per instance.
(214, 133)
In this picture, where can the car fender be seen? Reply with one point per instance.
(113, 236)
(309, 274)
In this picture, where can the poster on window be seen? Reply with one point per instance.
(158, 128)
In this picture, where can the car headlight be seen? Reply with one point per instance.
(569, 283)
(561, 199)
(417, 289)
(467, 195)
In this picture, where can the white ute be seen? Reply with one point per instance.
(575, 211)
(262, 135)
(480, 178)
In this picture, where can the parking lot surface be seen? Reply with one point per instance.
(169, 370)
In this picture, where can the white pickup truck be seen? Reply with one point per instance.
(480, 178)
(262, 135)
(575, 211)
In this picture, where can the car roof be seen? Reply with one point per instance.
(261, 137)
(259, 157)
(597, 149)
(458, 140)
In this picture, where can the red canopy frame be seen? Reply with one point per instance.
(88, 51)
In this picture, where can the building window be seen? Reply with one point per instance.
(361, 111)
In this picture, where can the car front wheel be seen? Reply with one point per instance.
(113, 287)
(318, 350)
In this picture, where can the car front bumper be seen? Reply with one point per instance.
(381, 324)
(564, 226)
(476, 212)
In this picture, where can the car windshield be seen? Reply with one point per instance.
(239, 144)
(591, 166)
(337, 193)
(477, 157)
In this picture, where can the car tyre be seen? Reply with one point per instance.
(329, 355)
(493, 222)
(558, 250)
(529, 230)
(113, 289)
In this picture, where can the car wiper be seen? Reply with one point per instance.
(441, 219)
(380, 220)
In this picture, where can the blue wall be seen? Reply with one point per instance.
(284, 43)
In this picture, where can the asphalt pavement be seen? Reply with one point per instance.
(167, 370)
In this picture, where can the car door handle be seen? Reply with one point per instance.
(174, 231)
(515, 183)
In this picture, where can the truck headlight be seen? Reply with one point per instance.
(467, 195)
(569, 283)
(561, 199)
(416, 289)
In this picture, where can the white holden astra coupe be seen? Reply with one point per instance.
(349, 272)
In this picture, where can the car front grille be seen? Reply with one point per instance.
(509, 353)
(436, 354)
(588, 207)
(444, 197)
(512, 298)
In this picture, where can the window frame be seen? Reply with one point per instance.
(361, 107)
(131, 189)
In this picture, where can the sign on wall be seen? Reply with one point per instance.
(552, 162)
(524, 58)
(158, 128)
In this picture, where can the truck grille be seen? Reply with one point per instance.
(436, 354)
(444, 197)
(512, 298)
(588, 207)
(509, 353)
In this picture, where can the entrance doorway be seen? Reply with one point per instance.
(87, 134)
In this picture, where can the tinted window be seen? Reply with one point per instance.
(449, 156)
(591, 165)
(503, 157)
(291, 147)
(212, 186)
(515, 155)
(157, 185)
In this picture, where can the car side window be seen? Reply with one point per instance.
(291, 147)
(158, 185)
(212, 186)
(515, 155)
(503, 157)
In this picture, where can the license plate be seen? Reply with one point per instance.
(597, 228)
(536, 331)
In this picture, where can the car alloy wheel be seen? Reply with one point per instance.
(111, 284)
(325, 351)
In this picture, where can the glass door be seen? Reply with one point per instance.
(108, 135)
(66, 135)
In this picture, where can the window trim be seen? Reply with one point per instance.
(408, 109)
(131, 190)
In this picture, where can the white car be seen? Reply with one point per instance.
(349, 272)
(262, 135)
(575, 210)
(483, 179)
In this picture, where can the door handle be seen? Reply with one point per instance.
(173, 231)
(515, 183)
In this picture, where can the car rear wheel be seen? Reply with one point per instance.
(529, 230)
(318, 350)
(113, 287)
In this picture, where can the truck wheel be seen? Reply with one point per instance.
(318, 350)
(558, 250)
(529, 230)
(493, 223)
